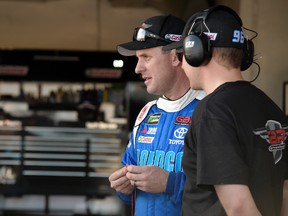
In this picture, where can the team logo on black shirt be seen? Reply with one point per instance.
(275, 134)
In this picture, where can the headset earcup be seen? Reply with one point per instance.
(248, 54)
(196, 49)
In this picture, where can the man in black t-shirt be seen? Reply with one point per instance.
(236, 153)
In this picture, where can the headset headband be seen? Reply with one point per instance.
(205, 13)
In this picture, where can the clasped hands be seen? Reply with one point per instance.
(150, 179)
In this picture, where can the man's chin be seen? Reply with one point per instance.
(150, 91)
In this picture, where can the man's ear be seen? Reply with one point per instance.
(176, 57)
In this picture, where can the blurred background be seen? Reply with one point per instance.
(68, 100)
(99, 25)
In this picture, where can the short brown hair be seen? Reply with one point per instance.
(228, 57)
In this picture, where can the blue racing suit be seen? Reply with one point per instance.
(158, 139)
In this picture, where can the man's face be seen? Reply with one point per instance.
(193, 74)
(155, 68)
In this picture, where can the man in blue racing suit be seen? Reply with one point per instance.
(152, 177)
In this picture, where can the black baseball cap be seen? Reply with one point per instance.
(220, 23)
(155, 31)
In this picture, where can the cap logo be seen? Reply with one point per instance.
(173, 37)
(212, 36)
(238, 37)
(144, 25)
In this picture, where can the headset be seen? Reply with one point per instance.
(196, 45)
(248, 54)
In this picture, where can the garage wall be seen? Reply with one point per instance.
(269, 19)
(67, 24)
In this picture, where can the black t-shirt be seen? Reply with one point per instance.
(237, 136)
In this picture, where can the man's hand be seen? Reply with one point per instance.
(150, 179)
(120, 182)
